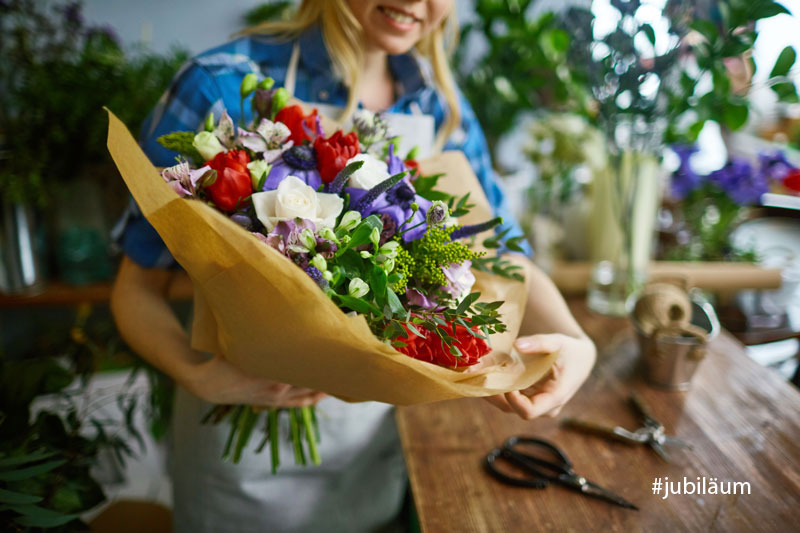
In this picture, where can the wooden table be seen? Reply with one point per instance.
(743, 421)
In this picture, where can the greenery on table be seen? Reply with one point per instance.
(55, 76)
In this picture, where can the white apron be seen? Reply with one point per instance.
(362, 480)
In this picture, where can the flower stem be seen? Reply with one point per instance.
(294, 427)
(273, 439)
(308, 423)
(237, 413)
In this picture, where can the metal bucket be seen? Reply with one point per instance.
(670, 362)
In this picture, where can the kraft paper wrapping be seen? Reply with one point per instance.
(257, 309)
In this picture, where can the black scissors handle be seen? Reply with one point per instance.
(532, 482)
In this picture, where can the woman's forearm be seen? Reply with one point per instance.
(546, 310)
(147, 323)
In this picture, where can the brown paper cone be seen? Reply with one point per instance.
(258, 310)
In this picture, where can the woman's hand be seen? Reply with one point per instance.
(218, 381)
(575, 361)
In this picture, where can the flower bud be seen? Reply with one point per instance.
(209, 125)
(438, 213)
(279, 100)
(375, 237)
(365, 254)
(350, 220)
(388, 265)
(319, 262)
(266, 83)
(328, 234)
(390, 248)
(308, 239)
(207, 144)
(249, 84)
(258, 169)
(357, 288)
(327, 276)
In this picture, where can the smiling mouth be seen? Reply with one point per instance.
(398, 16)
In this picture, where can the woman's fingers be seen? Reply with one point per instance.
(537, 405)
(499, 401)
(539, 344)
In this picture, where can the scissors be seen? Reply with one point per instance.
(651, 433)
(539, 472)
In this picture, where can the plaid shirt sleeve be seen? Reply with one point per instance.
(183, 107)
(471, 140)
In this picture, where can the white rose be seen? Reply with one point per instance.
(371, 173)
(292, 199)
(207, 144)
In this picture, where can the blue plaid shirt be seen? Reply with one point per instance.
(210, 82)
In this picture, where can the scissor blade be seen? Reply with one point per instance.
(672, 441)
(596, 491)
(616, 432)
(660, 451)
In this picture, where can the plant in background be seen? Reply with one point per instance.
(56, 75)
(566, 150)
(523, 68)
(266, 12)
(52, 432)
(710, 206)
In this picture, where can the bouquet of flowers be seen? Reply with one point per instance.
(276, 223)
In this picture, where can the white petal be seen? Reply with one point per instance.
(264, 203)
(330, 205)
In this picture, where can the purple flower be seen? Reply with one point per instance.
(740, 182)
(775, 166)
(684, 179)
(298, 161)
(285, 238)
(417, 298)
(460, 280)
(396, 203)
(183, 180)
(314, 273)
(395, 164)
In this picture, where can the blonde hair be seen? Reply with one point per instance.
(344, 39)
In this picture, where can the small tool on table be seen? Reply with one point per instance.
(651, 433)
(538, 472)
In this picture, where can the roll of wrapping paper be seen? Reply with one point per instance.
(573, 277)
(264, 314)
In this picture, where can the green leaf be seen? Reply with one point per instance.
(763, 10)
(706, 28)
(28, 458)
(394, 302)
(414, 330)
(466, 302)
(16, 498)
(735, 116)
(358, 305)
(31, 471)
(787, 92)
(362, 232)
(784, 63)
(695, 129)
(379, 285)
(34, 516)
(649, 32)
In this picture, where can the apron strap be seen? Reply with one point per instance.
(291, 70)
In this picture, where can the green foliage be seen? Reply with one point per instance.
(523, 68)
(55, 77)
(266, 12)
(181, 142)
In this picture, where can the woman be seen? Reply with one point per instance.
(382, 55)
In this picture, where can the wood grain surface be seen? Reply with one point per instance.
(742, 420)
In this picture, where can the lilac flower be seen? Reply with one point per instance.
(460, 280)
(417, 298)
(298, 161)
(775, 166)
(397, 204)
(740, 182)
(183, 180)
(285, 238)
(684, 179)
